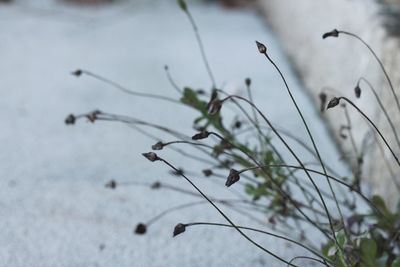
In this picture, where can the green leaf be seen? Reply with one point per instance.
(396, 263)
(341, 238)
(182, 5)
(368, 250)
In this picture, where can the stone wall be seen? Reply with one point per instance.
(338, 63)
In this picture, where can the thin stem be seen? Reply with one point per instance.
(373, 125)
(380, 64)
(225, 216)
(294, 155)
(127, 91)
(317, 172)
(172, 82)
(382, 108)
(314, 145)
(281, 191)
(309, 258)
(201, 47)
(258, 231)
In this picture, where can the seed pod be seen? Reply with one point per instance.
(333, 102)
(179, 229)
(333, 33)
(247, 81)
(215, 106)
(70, 120)
(111, 184)
(357, 91)
(77, 73)
(207, 172)
(322, 98)
(157, 146)
(232, 178)
(151, 156)
(201, 135)
(156, 185)
(261, 48)
(141, 229)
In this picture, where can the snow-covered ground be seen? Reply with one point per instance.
(54, 208)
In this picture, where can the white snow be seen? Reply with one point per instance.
(54, 209)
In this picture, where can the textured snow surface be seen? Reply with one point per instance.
(54, 209)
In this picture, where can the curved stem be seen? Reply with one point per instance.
(281, 191)
(201, 46)
(226, 217)
(127, 91)
(314, 145)
(294, 155)
(380, 64)
(373, 125)
(382, 108)
(258, 231)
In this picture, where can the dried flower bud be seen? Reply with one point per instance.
(333, 102)
(200, 92)
(92, 117)
(357, 91)
(151, 156)
(77, 73)
(157, 146)
(179, 229)
(182, 5)
(70, 120)
(247, 81)
(177, 172)
(201, 135)
(238, 124)
(207, 172)
(166, 67)
(322, 99)
(333, 33)
(140, 229)
(155, 185)
(215, 106)
(261, 48)
(111, 184)
(233, 177)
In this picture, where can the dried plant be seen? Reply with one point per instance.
(350, 237)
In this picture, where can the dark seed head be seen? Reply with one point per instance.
(357, 91)
(70, 120)
(261, 48)
(111, 184)
(179, 229)
(201, 135)
(156, 185)
(238, 124)
(92, 116)
(157, 146)
(247, 81)
(207, 172)
(200, 92)
(233, 177)
(333, 102)
(215, 106)
(178, 172)
(151, 156)
(333, 33)
(182, 5)
(322, 99)
(140, 229)
(77, 73)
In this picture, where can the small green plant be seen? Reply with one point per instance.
(350, 237)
